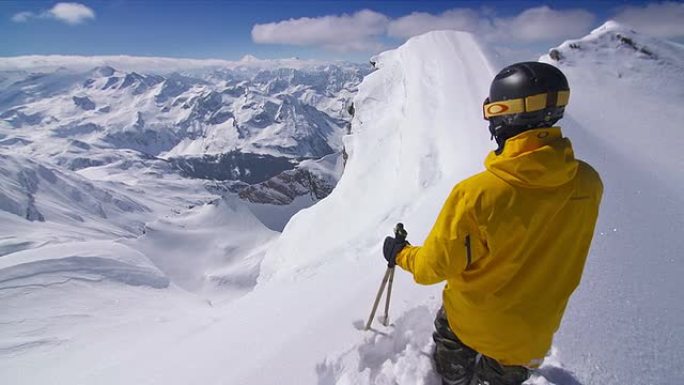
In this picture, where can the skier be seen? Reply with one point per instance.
(510, 242)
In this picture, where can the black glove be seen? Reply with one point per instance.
(393, 245)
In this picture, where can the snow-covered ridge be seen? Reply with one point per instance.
(639, 78)
(407, 142)
(626, 51)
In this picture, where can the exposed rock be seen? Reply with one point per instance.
(84, 103)
(316, 178)
(249, 168)
(555, 55)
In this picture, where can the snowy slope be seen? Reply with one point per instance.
(213, 249)
(76, 309)
(624, 324)
(40, 191)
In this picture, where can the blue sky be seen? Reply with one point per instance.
(350, 30)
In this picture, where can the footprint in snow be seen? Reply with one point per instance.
(397, 355)
(552, 372)
(402, 354)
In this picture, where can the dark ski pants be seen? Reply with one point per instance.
(460, 365)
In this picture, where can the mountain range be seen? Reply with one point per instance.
(233, 123)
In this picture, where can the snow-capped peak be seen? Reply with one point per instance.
(249, 59)
(622, 47)
(103, 71)
(610, 26)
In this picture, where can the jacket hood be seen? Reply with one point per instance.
(536, 158)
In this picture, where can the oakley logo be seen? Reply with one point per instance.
(497, 109)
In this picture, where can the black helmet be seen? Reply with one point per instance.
(524, 96)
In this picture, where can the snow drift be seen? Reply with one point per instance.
(40, 191)
(214, 249)
(86, 261)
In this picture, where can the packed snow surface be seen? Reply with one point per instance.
(193, 300)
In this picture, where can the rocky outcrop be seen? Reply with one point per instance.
(316, 179)
(84, 102)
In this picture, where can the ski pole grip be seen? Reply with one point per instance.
(399, 232)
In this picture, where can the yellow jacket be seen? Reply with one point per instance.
(511, 243)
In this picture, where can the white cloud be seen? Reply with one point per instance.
(357, 32)
(364, 30)
(420, 22)
(664, 19)
(22, 17)
(70, 13)
(542, 24)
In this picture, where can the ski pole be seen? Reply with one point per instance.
(400, 235)
(388, 272)
(389, 294)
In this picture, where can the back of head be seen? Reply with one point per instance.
(525, 96)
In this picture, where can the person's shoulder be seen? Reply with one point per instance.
(586, 170)
(589, 174)
(479, 183)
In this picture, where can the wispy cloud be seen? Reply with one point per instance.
(541, 24)
(464, 19)
(23, 17)
(365, 30)
(356, 32)
(69, 13)
(664, 19)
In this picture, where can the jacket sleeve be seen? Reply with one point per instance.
(444, 253)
